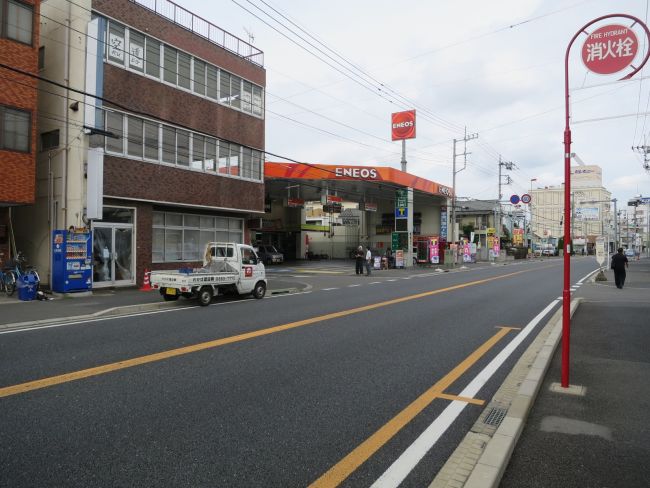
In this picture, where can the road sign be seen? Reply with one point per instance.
(526, 198)
(401, 212)
(514, 199)
(610, 49)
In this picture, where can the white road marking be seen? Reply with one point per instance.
(400, 469)
(352, 286)
(329, 289)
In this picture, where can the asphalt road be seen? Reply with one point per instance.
(278, 392)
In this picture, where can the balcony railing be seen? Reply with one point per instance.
(201, 27)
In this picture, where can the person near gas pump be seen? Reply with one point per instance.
(359, 258)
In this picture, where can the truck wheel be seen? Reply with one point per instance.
(205, 296)
(260, 290)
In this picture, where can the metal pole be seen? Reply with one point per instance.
(453, 204)
(566, 293)
(404, 155)
(615, 227)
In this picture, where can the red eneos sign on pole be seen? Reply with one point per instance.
(403, 125)
(610, 49)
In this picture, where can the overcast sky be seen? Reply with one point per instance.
(496, 68)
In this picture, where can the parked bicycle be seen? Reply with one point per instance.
(13, 270)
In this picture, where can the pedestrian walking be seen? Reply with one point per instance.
(358, 257)
(368, 261)
(619, 263)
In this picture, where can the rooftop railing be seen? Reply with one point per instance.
(201, 27)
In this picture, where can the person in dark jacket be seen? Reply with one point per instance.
(359, 258)
(619, 263)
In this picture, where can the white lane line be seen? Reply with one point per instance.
(392, 280)
(400, 469)
(329, 289)
(375, 283)
(352, 286)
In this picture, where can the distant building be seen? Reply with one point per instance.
(152, 137)
(19, 48)
(591, 209)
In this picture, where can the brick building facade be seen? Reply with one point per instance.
(163, 146)
(19, 36)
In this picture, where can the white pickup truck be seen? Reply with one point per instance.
(227, 267)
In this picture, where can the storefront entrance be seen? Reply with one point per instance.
(113, 259)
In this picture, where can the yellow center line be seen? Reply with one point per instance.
(346, 466)
(150, 358)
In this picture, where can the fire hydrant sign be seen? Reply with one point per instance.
(610, 49)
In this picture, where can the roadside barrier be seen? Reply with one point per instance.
(146, 282)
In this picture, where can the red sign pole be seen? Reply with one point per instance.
(566, 292)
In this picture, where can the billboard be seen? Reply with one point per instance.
(403, 125)
(588, 176)
(588, 214)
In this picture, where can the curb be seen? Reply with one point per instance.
(481, 458)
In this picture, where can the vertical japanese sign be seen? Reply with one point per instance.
(467, 252)
(401, 204)
(443, 223)
(496, 246)
(610, 49)
(434, 252)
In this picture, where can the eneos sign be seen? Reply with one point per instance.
(403, 125)
(610, 49)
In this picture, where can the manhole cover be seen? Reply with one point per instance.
(495, 416)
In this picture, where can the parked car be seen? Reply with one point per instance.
(548, 252)
(629, 253)
(269, 254)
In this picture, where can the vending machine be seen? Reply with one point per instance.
(72, 269)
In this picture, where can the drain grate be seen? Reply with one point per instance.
(495, 416)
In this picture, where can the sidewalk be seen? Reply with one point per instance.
(534, 433)
(598, 438)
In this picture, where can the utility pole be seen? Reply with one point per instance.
(645, 152)
(467, 137)
(509, 165)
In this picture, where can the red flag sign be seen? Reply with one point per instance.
(403, 125)
(610, 49)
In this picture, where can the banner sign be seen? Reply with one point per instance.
(295, 202)
(403, 125)
(443, 223)
(434, 251)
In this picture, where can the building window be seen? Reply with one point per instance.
(170, 69)
(41, 57)
(50, 140)
(149, 140)
(116, 43)
(212, 89)
(152, 58)
(184, 70)
(15, 126)
(199, 77)
(183, 237)
(136, 51)
(168, 145)
(16, 21)
(182, 147)
(151, 135)
(115, 124)
(198, 148)
(134, 137)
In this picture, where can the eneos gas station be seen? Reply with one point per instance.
(319, 211)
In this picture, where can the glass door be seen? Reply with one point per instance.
(113, 255)
(103, 256)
